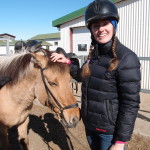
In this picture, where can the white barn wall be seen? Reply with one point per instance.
(52, 41)
(81, 36)
(134, 25)
(134, 32)
(65, 32)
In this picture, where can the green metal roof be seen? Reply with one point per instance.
(46, 36)
(73, 15)
(68, 17)
(12, 43)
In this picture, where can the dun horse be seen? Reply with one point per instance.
(33, 75)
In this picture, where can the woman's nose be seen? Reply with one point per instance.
(101, 28)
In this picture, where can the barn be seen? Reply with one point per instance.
(52, 38)
(7, 42)
(133, 31)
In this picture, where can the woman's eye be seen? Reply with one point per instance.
(52, 84)
(105, 23)
(96, 25)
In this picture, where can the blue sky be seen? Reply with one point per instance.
(27, 18)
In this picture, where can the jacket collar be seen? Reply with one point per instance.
(104, 48)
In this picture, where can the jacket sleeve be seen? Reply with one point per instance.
(129, 77)
(75, 72)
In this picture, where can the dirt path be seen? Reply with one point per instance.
(46, 133)
(142, 125)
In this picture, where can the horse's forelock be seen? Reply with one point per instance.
(58, 67)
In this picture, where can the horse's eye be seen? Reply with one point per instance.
(52, 83)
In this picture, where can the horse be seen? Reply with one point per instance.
(33, 75)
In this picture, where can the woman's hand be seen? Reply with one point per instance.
(117, 146)
(55, 57)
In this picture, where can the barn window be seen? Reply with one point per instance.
(82, 47)
(55, 43)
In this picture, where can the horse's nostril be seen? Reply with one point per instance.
(75, 120)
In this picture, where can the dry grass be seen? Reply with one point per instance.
(139, 142)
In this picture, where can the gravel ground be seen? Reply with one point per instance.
(46, 132)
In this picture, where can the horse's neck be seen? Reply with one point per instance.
(24, 91)
(19, 100)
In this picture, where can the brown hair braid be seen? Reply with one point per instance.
(114, 62)
(85, 68)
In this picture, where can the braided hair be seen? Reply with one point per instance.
(86, 69)
(113, 62)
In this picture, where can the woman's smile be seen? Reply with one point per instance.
(102, 31)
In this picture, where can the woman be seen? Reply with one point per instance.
(110, 81)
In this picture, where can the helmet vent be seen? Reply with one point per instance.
(96, 5)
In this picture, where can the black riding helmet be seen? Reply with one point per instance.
(100, 9)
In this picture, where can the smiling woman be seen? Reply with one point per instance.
(110, 81)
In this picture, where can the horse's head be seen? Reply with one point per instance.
(55, 82)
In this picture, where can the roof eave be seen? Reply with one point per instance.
(66, 18)
(66, 21)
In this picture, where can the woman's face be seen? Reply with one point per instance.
(102, 31)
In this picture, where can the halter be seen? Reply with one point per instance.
(50, 102)
(49, 93)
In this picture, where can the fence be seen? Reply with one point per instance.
(145, 74)
(7, 45)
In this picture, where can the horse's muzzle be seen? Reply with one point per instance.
(72, 123)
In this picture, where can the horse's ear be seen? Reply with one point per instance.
(39, 58)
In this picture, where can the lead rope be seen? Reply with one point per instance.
(66, 131)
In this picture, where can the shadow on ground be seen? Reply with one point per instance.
(49, 129)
